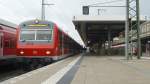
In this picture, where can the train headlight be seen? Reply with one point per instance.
(48, 52)
(21, 52)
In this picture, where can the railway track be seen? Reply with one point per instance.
(10, 74)
(10, 71)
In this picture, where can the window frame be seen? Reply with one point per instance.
(50, 31)
(35, 34)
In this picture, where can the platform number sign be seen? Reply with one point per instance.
(85, 10)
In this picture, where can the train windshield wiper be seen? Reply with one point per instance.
(48, 40)
(23, 41)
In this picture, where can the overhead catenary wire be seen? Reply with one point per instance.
(107, 2)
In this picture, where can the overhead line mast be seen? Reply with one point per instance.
(132, 12)
(43, 9)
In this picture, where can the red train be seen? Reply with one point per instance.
(7, 41)
(40, 41)
(119, 49)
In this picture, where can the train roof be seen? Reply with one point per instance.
(7, 23)
(40, 21)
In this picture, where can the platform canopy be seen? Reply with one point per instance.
(93, 29)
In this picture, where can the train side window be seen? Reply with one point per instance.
(1, 42)
(60, 39)
(1, 27)
(11, 44)
(6, 44)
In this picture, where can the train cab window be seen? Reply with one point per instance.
(44, 35)
(27, 35)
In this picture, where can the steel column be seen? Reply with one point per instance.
(126, 31)
(132, 12)
(109, 40)
(138, 30)
(43, 11)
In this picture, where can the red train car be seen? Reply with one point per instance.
(7, 43)
(7, 39)
(41, 41)
(119, 49)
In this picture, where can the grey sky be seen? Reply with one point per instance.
(61, 13)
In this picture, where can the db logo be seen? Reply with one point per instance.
(35, 52)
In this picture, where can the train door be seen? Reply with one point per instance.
(1, 44)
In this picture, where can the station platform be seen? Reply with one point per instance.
(87, 69)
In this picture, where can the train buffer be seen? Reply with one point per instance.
(89, 69)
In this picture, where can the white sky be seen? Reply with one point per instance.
(62, 12)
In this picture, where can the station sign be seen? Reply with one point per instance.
(85, 10)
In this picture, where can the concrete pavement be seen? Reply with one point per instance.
(112, 70)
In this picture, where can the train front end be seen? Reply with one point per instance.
(36, 39)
